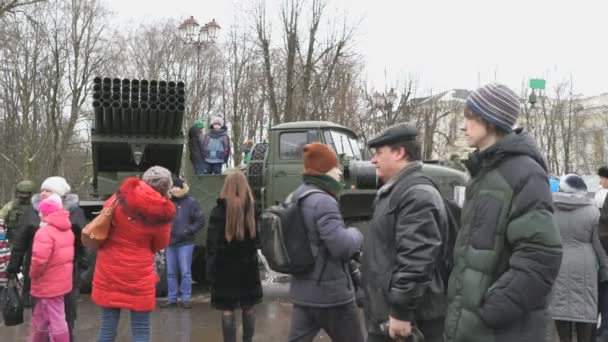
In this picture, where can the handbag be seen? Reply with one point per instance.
(12, 304)
(95, 234)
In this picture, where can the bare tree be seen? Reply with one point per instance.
(9, 6)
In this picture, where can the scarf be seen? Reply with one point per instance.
(325, 183)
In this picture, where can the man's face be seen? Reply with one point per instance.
(474, 132)
(388, 161)
(44, 194)
(604, 182)
(217, 127)
(24, 196)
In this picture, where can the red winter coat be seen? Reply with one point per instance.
(53, 257)
(124, 271)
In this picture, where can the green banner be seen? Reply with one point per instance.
(537, 83)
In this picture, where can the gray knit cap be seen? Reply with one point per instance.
(496, 104)
(159, 179)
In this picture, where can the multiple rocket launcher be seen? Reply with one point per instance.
(138, 107)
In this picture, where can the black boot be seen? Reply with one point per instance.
(229, 327)
(248, 317)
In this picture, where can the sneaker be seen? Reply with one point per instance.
(186, 305)
(168, 304)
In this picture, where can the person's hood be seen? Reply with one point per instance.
(59, 219)
(70, 201)
(177, 193)
(216, 134)
(143, 202)
(568, 202)
(517, 143)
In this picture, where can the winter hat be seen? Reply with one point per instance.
(56, 185)
(217, 120)
(178, 182)
(496, 104)
(50, 205)
(158, 178)
(603, 171)
(572, 184)
(318, 159)
(199, 124)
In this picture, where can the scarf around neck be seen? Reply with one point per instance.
(325, 183)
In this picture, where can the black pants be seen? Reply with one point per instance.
(584, 331)
(431, 329)
(341, 323)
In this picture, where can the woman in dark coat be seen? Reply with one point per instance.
(232, 262)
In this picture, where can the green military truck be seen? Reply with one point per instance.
(135, 141)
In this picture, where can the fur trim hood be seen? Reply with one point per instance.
(70, 201)
(180, 192)
(140, 200)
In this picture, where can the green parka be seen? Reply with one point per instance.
(508, 252)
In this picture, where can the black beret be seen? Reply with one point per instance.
(393, 135)
(603, 172)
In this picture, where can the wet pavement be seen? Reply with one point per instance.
(201, 323)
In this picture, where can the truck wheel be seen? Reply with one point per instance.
(199, 265)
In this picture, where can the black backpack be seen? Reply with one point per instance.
(285, 241)
(451, 233)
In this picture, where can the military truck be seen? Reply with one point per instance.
(136, 140)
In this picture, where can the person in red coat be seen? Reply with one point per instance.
(124, 272)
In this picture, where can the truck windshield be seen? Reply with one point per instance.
(343, 144)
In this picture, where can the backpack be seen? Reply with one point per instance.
(284, 235)
(453, 226)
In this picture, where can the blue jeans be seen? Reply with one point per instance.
(199, 167)
(213, 169)
(179, 260)
(140, 325)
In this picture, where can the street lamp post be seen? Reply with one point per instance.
(191, 33)
(385, 103)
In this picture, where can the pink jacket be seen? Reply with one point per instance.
(52, 257)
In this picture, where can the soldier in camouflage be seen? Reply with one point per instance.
(12, 211)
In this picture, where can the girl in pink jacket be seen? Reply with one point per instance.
(51, 271)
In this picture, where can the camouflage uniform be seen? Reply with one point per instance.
(11, 213)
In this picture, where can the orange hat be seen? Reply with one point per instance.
(318, 159)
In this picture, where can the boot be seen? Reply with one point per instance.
(248, 317)
(229, 327)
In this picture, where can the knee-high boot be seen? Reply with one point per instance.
(248, 317)
(229, 327)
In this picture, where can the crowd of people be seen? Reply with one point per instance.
(523, 252)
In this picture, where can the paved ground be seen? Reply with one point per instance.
(201, 323)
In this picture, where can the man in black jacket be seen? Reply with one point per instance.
(402, 251)
(24, 238)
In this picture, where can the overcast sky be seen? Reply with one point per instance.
(446, 43)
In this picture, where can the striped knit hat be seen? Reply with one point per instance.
(496, 104)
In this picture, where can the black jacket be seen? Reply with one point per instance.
(189, 218)
(401, 252)
(28, 226)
